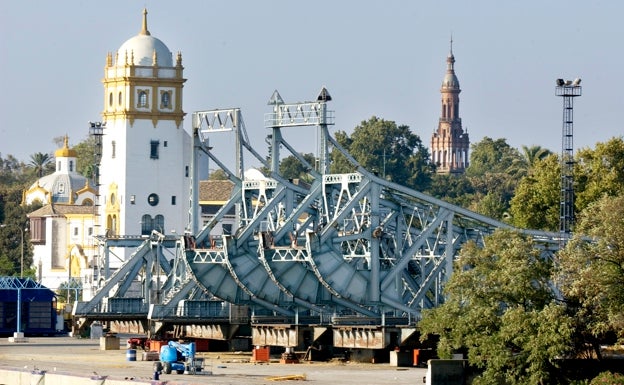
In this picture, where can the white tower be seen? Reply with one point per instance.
(144, 169)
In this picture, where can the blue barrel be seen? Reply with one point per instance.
(131, 355)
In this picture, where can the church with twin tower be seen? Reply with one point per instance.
(145, 154)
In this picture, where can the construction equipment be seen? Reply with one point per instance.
(179, 357)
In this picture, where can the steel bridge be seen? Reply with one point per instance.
(352, 256)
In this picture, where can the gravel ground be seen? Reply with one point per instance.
(83, 356)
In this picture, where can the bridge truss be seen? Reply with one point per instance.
(346, 249)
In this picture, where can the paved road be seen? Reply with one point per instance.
(83, 356)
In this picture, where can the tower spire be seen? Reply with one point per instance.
(450, 143)
(144, 30)
(451, 52)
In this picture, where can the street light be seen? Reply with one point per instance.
(21, 247)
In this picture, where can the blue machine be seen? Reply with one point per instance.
(179, 357)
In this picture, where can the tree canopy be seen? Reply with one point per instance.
(535, 204)
(591, 271)
(390, 150)
(500, 311)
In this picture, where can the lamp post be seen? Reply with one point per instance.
(21, 247)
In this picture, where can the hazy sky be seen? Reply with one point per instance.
(376, 58)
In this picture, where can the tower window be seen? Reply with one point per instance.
(110, 99)
(71, 166)
(120, 98)
(165, 99)
(113, 149)
(159, 223)
(154, 149)
(173, 200)
(152, 199)
(148, 224)
(142, 102)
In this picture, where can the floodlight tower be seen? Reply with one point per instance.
(568, 90)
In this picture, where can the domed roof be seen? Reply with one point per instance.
(65, 151)
(61, 186)
(143, 47)
(450, 79)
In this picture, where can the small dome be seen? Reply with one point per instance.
(61, 186)
(65, 151)
(143, 47)
(450, 81)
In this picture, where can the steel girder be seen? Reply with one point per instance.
(350, 244)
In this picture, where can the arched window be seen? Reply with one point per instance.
(111, 225)
(142, 99)
(146, 224)
(165, 99)
(159, 223)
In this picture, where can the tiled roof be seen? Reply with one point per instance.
(215, 190)
(49, 210)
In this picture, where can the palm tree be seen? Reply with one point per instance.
(38, 162)
(530, 155)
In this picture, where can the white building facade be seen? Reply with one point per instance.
(146, 153)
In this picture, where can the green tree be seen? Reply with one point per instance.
(535, 204)
(85, 156)
(218, 174)
(599, 172)
(488, 173)
(529, 156)
(500, 310)
(339, 163)
(15, 225)
(291, 168)
(455, 189)
(491, 156)
(38, 162)
(391, 151)
(12, 172)
(591, 271)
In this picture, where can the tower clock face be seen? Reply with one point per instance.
(152, 199)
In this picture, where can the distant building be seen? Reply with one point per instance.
(213, 194)
(144, 172)
(450, 143)
(61, 231)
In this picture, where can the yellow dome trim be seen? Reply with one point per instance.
(65, 152)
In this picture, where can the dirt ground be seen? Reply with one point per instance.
(84, 356)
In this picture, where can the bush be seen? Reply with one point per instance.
(608, 378)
